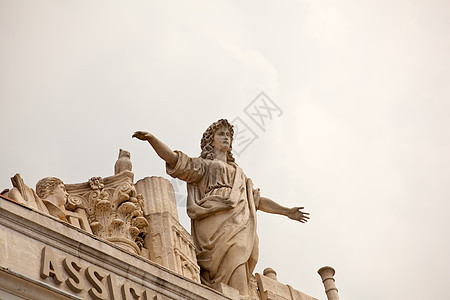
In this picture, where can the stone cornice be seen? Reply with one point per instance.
(32, 230)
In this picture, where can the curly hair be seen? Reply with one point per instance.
(207, 142)
(46, 186)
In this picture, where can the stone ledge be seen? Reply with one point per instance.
(24, 232)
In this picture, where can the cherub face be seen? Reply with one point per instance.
(222, 139)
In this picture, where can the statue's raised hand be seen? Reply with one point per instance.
(160, 148)
(142, 135)
(295, 213)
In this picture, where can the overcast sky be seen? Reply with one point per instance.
(362, 142)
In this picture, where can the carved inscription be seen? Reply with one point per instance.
(102, 286)
(73, 268)
(95, 277)
(48, 266)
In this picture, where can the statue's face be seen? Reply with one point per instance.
(60, 194)
(222, 139)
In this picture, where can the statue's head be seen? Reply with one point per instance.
(207, 143)
(52, 189)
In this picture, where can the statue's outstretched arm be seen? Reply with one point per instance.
(295, 213)
(160, 148)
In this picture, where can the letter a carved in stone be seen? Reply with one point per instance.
(48, 266)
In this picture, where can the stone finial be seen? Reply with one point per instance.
(327, 274)
(269, 272)
(123, 162)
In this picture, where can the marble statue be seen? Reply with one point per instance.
(53, 193)
(222, 205)
(51, 198)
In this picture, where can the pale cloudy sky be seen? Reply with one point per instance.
(363, 141)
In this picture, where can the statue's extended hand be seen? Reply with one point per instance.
(142, 135)
(295, 213)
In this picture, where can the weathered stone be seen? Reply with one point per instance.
(114, 209)
(25, 195)
(168, 243)
(327, 273)
(110, 215)
(123, 163)
(171, 246)
(228, 291)
(271, 289)
(158, 194)
(50, 197)
(87, 267)
(222, 205)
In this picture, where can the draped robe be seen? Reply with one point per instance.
(222, 208)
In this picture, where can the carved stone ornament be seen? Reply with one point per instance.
(51, 198)
(114, 209)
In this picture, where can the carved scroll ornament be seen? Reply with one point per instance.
(114, 209)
